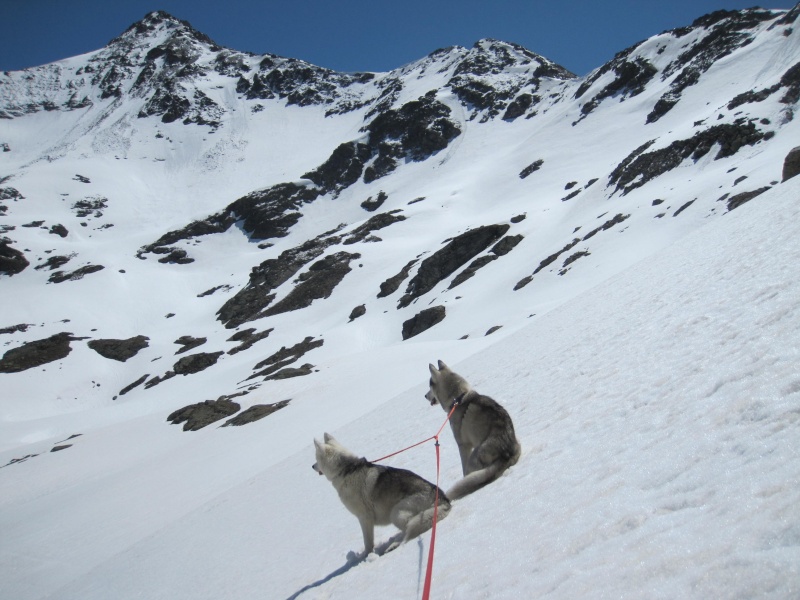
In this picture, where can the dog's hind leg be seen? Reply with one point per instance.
(423, 521)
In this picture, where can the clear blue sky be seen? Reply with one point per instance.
(356, 35)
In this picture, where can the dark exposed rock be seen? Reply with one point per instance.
(33, 224)
(92, 206)
(471, 269)
(120, 350)
(54, 262)
(519, 218)
(531, 168)
(289, 372)
(12, 261)
(194, 363)
(491, 330)
(15, 328)
(316, 283)
(251, 301)
(791, 164)
(446, 261)
(501, 248)
(371, 205)
(791, 80)
(213, 290)
(519, 106)
(263, 214)
(727, 31)
(247, 337)
(37, 353)
(752, 96)
(639, 168)
(177, 256)
(391, 285)
(59, 230)
(553, 257)
(256, 412)
(618, 218)
(683, 207)
(188, 342)
(630, 78)
(507, 244)
(571, 259)
(60, 276)
(133, 385)
(485, 82)
(739, 199)
(358, 311)
(197, 416)
(285, 356)
(10, 193)
(375, 223)
(423, 321)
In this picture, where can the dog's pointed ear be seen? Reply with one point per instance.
(442, 366)
(328, 437)
(433, 370)
(318, 445)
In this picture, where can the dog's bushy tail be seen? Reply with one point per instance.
(478, 479)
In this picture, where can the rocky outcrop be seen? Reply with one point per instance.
(255, 413)
(791, 164)
(446, 261)
(37, 353)
(187, 342)
(194, 363)
(253, 299)
(12, 261)
(317, 282)
(120, 350)
(60, 276)
(284, 357)
(739, 199)
(640, 167)
(202, 414)
(423, 321)
(726, 31)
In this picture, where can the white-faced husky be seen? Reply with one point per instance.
(379, 495)
(483, 430)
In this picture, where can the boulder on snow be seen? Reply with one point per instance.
(791, 164)
(197, 416)
(12, 261)
(423, 321)
(37, 353)
(120, 350)
(256, 412)
(194, 363)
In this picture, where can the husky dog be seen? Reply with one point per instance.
(482, 428)
(379, 495)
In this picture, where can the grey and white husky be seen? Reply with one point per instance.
(379, 495)
(483, 430)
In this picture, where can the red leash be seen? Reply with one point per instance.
(426, 589)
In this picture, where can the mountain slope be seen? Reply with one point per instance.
(184, 224)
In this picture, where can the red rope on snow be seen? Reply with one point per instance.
(426, 589)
